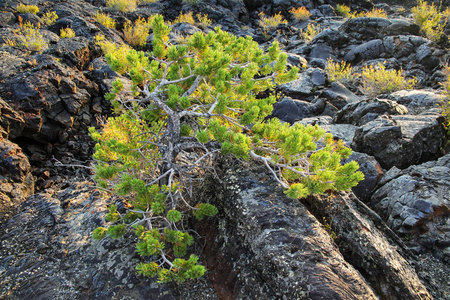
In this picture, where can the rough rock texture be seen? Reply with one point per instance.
(47, 252)
(16, 180)
(371, 246)
(417, 201)
(279, 250)
(400, 140)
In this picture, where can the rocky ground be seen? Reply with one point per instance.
(389, 239)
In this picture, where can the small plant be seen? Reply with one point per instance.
(49, 18)
(343, 10)
(29, 36)
(185, 18)
(122, 5)
(67, 33)
(377, 80)
(147, 1)
(429, 20)
(336, 71)
(310, 33)
(270, 23)
(300, 13)
(105, 20)
(375, 13)
(203, 20)
(136, 35)
(22, 8)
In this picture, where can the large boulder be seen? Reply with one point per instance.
(416, 202)
(400, 140)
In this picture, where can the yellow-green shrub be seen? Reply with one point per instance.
(343, 10)
(310, 33)
(377, 80)
(122, 5)
(203, 20)
(67, 33)
(29, 36)
(269, 23)
(300, 13)
(185, 18)
(105, 20)
(429, 20)
(146, 1)
(136, 35)
(339, 71)
(49, 18)
(375, 13)
(22, 8)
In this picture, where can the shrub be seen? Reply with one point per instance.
(336, 71)
(29, 37)
(49, 18)
(343, 10)
(136, 35)
(185, 18)
(310, 33)
(155, 151)
(429, 20)
(269, 23)
(122, 5)
(22, 8)
(377, 80)
(105, 20)
(203, 20)
(67, 33)
(147, 1)
(300, 13)
(375, 13)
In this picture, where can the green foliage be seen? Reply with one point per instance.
(429, 20)
(67, 33)
(105, 20)
(122, 5)
(22, 8)
(156, 149)
(99, 233)
(377, 80)
(49, 18)
(184, 18)
(342, 71)
(343, 10)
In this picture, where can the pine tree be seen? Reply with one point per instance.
(188, 99)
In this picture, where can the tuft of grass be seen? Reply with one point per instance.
(310, 33)
(136, 34)
(269, 23)
(429, 20)
(105, 20)
(67, 33)
(300, 13)
(342, 72)
(122, 5)
(49, 18)
(343, 10)
(377, 80)
(22, 8)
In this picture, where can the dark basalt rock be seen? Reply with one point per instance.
(290, 110)
(416, 202)
(360, 113)
(400, 140)
(339, 96)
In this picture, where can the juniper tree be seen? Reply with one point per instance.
(189, 102)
